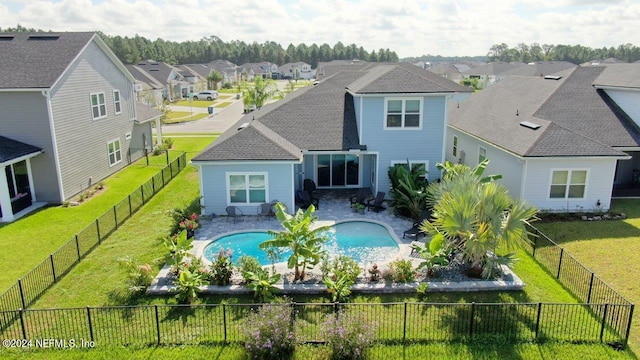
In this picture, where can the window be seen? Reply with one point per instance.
(403, 114)
(98, 107)
(115, 154)
(455, 146)
(482, 154)
(116, 101)
(413, 164)
(246, 188)
(338, 170)
(568, 184)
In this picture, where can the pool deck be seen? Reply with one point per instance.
(334, 206)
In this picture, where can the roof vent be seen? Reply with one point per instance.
(6, 37)
(44, 37)
(530, 125)
(242, 126)
(552, 77)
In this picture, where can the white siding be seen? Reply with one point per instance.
(214, 185)
(500, 161)
(600, 172)
(629, 101)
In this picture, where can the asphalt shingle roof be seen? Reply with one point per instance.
(11, 149)
(620, 75)
(37, 60)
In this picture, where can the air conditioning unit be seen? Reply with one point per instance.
(461, 158)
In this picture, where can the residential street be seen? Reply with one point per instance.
(219, 122)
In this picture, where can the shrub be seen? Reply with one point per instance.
(250, 264)
(262, 284)
(222, 268)
(401, 271)
(138, 276)
(188, 286)
(341, 265)
(349, 335)
(267, 333)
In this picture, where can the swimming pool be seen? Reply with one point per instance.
(364, 241)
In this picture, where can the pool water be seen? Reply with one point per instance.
(365, 242)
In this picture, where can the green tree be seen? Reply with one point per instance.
(305, 244)
(475, 215)
(213, 79)
(261, 92)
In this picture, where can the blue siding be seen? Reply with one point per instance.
(424, 144)
(214, 185)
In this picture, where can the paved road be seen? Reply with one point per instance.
(216, 123)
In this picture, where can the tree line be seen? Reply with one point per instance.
(131, 50)
(576, 54)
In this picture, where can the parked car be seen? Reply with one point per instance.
(206, 95)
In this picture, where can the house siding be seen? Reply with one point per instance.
(393, 145)
(24, 117)
(500, 161)
(629, 101)
(214, 185)
(599, 183)
(82, 141)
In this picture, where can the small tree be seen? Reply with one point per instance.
(213, 79)
(305, 244)
(261, 92)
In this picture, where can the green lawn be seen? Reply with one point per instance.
(183, 116)
(194, 103)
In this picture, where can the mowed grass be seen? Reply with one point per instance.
(175, 117)
(194, 103)
(611, 249)
(28, 241)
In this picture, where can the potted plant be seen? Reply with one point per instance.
(361, 208)
(190, 224)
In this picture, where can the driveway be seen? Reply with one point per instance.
(219, 122)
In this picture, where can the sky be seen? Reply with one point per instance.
(408, 27)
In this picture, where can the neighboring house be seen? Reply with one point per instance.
(175, 86)
(148, 90)
(67, 117)
(490, 73)
(563, 143)
(265, 69)
(539, 68)
(598, 62)
(450, 71)
(326, 69)
(297, 70)
(345, 132)
(191, 74)
(227, 69)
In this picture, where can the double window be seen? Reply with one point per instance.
(246, 188)
(116, 102)
(568, 184)
(413, 164)
(115, 153)
(98, 106)
(403, 114)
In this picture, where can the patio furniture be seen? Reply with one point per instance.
(309, 186)
(361, 197)
(306, 200)
(234, 213)
(376, 203)
(264, 209)
(415, 232)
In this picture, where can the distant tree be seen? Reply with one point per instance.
(213, 79)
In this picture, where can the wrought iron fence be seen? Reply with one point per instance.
(37, 281)
(395, 323)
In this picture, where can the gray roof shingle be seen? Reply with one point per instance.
(620, 75)
(12, 149)
(37, 60)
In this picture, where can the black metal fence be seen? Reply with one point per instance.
(37, 281)
(395, 323)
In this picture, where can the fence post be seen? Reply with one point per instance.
(153, 184)
(142, 192)
(162, 174)
(78, 247)
(53, 268)
(90, 324)
(98, 230)
(224, 321)
(590, 288)
(538, 319)
(24, 328)
(535, 243)
(130, 209)
(24, 304)
(604, 320)
(560, 263)
(626, 338)
(166, 156)
(404, 327)
(146, 155)
(115, 216)
(157, 324)
(473, 310)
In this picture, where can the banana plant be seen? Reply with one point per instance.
(262, 284)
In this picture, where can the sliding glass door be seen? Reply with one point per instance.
(338, 170)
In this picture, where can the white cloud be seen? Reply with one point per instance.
(409, 27)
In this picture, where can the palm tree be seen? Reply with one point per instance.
(305, 244)
(214, 78)
(475, 215)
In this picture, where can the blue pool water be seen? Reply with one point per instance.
(363, 241)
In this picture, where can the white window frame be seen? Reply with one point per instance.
(246, 174)
(455, 146)
(117, 103)
(102, 107)
(411, 163)
(481, 156)
(117, 154)
(403, 113)
(568, 184)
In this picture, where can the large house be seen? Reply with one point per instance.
(344, 132)
(68, 117)
(296, 70)
(562, 142)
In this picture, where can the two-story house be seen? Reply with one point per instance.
(345, 132)
(563, 142)
(297, 70)
(68, 117)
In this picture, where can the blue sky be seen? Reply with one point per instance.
(409, 27)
